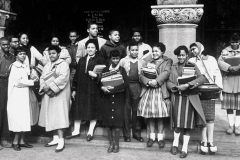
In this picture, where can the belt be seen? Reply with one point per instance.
(3, 77)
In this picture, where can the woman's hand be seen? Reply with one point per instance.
(174, 89)
(32, 66)
(50, 93)
(73, 94)
(106, 88)
(92, 74)
(234, 69)
(183, 87)
(152, 83)
(46, 88)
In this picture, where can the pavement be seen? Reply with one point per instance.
(79, 148)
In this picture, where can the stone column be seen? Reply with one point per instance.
(5, 15)
(177, 25)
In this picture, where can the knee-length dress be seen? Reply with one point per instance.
(88, 91)
(114, 103)
(152, 103)
(54, 113)
(21, 109)
(186, 108)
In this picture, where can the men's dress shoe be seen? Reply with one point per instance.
(72, 136)
(116, 148)
(89, 137)
(16, 147)
(161, 144)
(50, 145)
(26, 145)
(174, 150)
(150, 142)
(110, 149)
(60, 150)
(139, 139)
(183, 154)
(6, 144)
(127, 139)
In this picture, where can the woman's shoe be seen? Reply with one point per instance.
(16, 147)
(212, 148)
(89, 137)
(26, 145)
(174, 150)
(161, 144)
(183, 154)
(230, 130)
(110, 149)
(115, 148)
(150, 142)
(50, 145)
(203, 148)
(237, 130)
(60, 150)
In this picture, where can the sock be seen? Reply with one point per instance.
(91, 127)
(204, 134)
(176, 139)
(160, 136)
(77, 124)
(60, 143)
(55, 140)
(231, 119)
(185, 143)
(152, 136)
(210, 128)
(237, 121)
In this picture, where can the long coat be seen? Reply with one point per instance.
(55, 110)
(20, 108)
(87, 100)
(114, 103)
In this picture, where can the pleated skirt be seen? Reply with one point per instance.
(152, 104)
(183, 113)
(231, 101)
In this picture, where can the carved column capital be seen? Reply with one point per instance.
(177, 13)
(5, 15)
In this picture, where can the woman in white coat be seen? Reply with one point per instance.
(19, 106)
(56, 98)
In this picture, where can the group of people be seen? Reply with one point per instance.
(71, 91)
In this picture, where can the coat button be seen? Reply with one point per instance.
(112, 102)
(112, 95)
(112, 109)
(112, 117)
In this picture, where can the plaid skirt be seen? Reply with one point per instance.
(152, 104)
(183, 113)
(208, 107)
(231, 101)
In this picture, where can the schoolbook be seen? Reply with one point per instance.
(233, 60)
(99, 68)
(50, 77)
(113, 80)
(150, 73)
(186, 79)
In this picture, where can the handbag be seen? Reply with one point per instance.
(208, 91)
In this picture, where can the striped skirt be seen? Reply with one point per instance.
(208, 107)
(231, 101)
(183, 113)
(152, 104)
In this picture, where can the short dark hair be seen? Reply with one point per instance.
(234, 37)
(11, 37)
(20, 49)
(74, 31)
(132, 44)
(160, 45)
(193, 45)
(136, 30)
(178, 50)
(112, 30)
(94, 41)
(55, 36)
(22, 33)
(56, 48)
(115, 53)
(90, 24)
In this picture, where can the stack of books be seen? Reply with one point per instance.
(187, 76)
(150, 73)
(112, 80)
(50, 77)
(99, 68)
(232, 60)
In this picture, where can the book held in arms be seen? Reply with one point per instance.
(188, 75)
(112, 78)
(99, 68)
(50, 77)
(150, 71)
(232, 60)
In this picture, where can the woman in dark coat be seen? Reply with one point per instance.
(86, 91)
(186, 109)
(114, 102)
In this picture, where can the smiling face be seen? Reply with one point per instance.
(195, 50)
(114, 37)
(54, 56)
(24, 40)
(5, 46)
(91, 49)
(157, 53)
(115, 60)
(73, 37)
(21, 56)
(234, 44)
(14, 43)
(133, 51)
(93, 30)
(137, 37)
(55, 41)
(182, 56)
